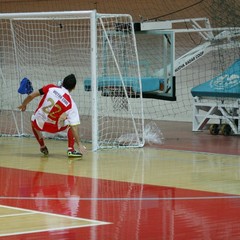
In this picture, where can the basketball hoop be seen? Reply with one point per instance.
(118, 97)
(119, 103)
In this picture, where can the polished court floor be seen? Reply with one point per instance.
(185, 188)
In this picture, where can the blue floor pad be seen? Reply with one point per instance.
(225, 85)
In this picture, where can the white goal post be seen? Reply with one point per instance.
(100, 49)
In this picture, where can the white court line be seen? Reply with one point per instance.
(92, 222)
(52, 214)
(15, 214)
(128, 199)
(201, 152)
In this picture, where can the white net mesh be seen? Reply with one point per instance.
(46, 49)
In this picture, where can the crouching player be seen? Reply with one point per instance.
(56, 112)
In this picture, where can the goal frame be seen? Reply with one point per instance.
(92, 15)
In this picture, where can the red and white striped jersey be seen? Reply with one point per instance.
(56, 109)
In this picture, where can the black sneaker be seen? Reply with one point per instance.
(73, 153)
(44, 150)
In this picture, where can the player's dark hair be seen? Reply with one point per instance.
(69, 82)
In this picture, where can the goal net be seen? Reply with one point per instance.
(199, 55)
(100, 49)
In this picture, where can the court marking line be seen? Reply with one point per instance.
(92, 222)
(52, 214)
(129, 199)
(200, 152)
(48, 229)
(15, 214)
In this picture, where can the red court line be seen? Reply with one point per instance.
(137, 211)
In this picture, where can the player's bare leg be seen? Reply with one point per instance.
(71, 151)
(39, 137)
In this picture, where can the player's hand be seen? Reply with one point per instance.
(22, 108)
(82, 149)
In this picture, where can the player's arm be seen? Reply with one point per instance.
(75, 130)
(28, 99)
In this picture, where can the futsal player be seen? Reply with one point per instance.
(56, 112)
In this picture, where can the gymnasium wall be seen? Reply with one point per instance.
(139, 9)
(222, 13)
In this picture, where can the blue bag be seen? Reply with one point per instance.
(25, 86)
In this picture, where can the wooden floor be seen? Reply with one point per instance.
(185, 188)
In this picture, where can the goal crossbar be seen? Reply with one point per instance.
(54, 44)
